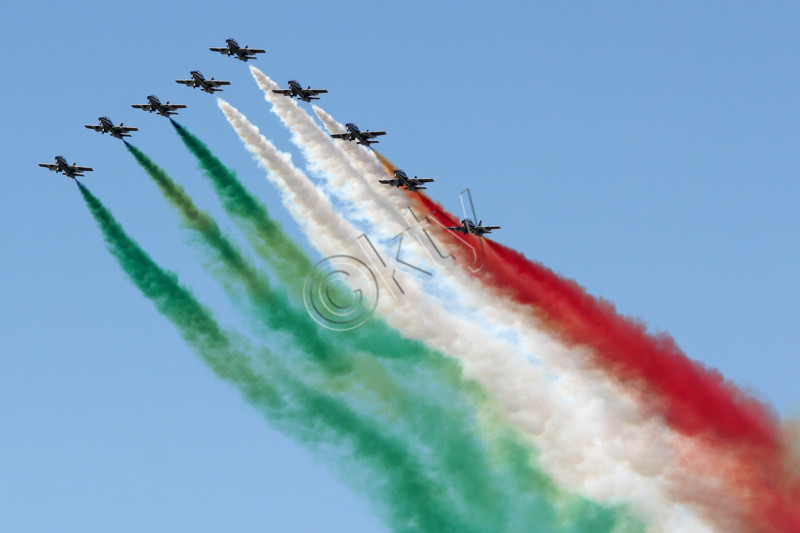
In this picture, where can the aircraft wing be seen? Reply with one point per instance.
(253, 50)
(50, 166)
(388, 182)
(174, 106)
(315, 91)
(126, 129)
(340, 135)
(217, 83)
(83, 169)
(490, 228)
(220, 50)
(459, 229)
(421, 180)
(372, 134)
(186, 82)
(95, 127)
(146, 107)
(284, 92)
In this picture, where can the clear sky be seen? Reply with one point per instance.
(647, 152)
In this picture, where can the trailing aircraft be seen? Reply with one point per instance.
(154, 104)
(295, 89)
(61, 165)
(198, 80)
(401, 179)
(355, 134)
(107, 126)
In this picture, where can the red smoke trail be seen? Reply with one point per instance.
(693, 400)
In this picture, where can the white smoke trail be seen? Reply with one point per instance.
(578, 449)
(361, 158)
(325, 157)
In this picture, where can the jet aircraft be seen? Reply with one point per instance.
(154, 104)
(241, 53)
(355, 134)
(468, 227)
(61, 165)
(107, 126)
(295, 89)
(401, 179)
(198, 80)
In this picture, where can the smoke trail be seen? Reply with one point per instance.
(695, 400)
(411, 500)
(231, 267)
(525, 397)
(692, 398)
(264, 233)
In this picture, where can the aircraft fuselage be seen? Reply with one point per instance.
(355, 133)
(64, 167)
(198, 78)
(107, 124)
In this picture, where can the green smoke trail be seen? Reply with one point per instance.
(263, 232)
(231, 267)
(463, 458)
(412, 500)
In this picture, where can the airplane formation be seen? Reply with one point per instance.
(295, 90)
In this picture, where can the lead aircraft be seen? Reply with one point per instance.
(241, 53)
(469, 227)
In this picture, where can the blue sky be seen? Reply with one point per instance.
(647, 152)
